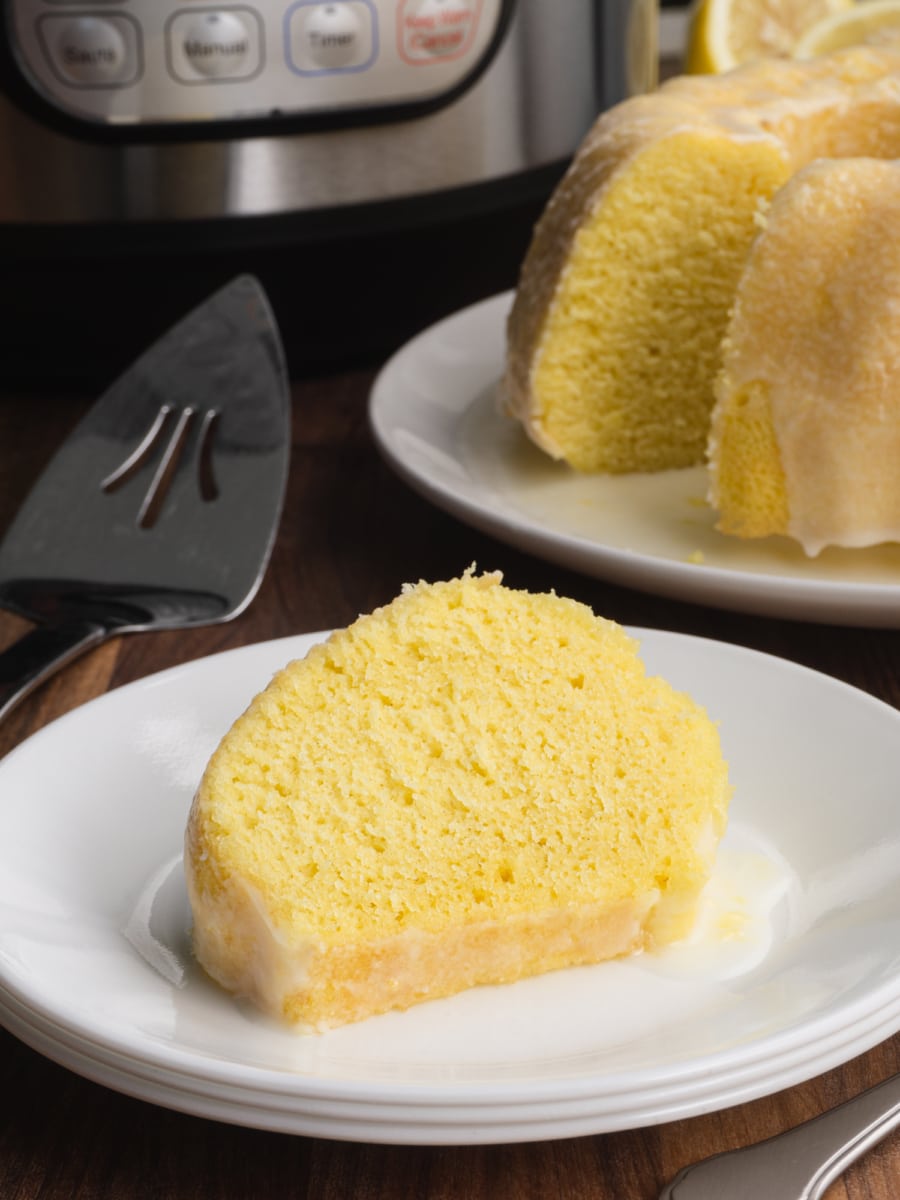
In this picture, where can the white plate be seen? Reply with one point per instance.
(436, 419)
(96, 972)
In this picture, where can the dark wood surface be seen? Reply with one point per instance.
(351, 535)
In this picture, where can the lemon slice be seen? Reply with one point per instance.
(725, 33)
(871, 22)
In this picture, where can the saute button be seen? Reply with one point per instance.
(89, 50)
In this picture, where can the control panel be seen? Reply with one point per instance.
(133, 62)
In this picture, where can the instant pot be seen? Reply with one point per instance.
(377, 163)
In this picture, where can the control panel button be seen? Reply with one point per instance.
(342, 36)
(92, 51)
(436, 30)
(195, 62)
(333, 35)
(213, 44)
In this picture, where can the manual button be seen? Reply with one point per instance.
(214, 44)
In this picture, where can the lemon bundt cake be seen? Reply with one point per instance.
(468, 786)
(624, 294)
(805, 436)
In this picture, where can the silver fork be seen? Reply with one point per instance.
(799, 1164)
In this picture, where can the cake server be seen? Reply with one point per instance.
(159, 511)
(803, 1162)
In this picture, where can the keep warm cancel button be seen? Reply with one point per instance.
(435, 30)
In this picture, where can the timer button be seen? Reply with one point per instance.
(332, 37)
(91, 51)
(216, 44)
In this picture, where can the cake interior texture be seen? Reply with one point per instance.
(624, 297)
(468, 786)
(630, 350)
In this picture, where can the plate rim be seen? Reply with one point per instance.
(873, 604)
(876, 1008)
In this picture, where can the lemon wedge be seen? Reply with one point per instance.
(871, 22)
(725, 33)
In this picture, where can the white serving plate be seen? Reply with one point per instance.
(436, 418)
(96, 970)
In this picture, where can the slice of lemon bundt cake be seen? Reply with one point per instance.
(468, 786)
(805, 436)
(623, 300)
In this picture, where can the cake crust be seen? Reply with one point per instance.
(805, 437)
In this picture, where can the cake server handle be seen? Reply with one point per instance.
(40, 652)
(801, 1163)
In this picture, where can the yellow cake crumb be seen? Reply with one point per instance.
(615, 335)
(470, 785)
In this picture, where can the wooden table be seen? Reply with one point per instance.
(350, 536)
